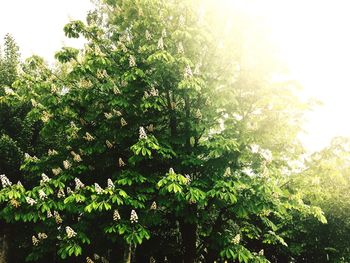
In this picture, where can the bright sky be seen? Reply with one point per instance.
(313, 37)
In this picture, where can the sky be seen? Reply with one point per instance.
(312, 36)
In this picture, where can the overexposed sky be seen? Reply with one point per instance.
(312, 35)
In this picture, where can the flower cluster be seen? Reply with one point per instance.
(98, 188)
(61, 193)
(42, 236)
(109, 144)
(58, 218)
(133, 217)
(123, 122)
(78, 184)
(110, 184)
(89, 260)
(42, 195)
(132, 61)
(76, 157)
(188, 72)
(35, 241)
(108, 115)
(160, 44)
(153, 205)
(142, 133)
(198, 114)
(44, 179)
(121, 162)
(56, 171)
(15, 203)
(180, 48)
(30, 201)
(236, 239)
(70, 232)
(52, 152)
(150, 128)
(227, 172)
(88, 137)
(116, 215)
(5, 181)
(188, 177)
(148, 35)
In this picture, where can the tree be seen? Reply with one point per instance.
(154, 137)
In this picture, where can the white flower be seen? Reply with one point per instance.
(132, 61)
(123, 122)
(30, 201)
(146, 95)
(56, 171)
(70, 232)
(110, 184)
(98, 188)
(19, 184)
(188, 177)
(42, 235)
(5, 181)
(78, 184)
(76, 157)
(254, 148)
(171, 171)
(150, 128)
(154, 205)
(227, 172)
(27, 156)
(236, 239)
(69, 190)
(197, 69)
(61, 193)
(188, 72)
(96, 256)
(9, 91)
(160, 43)
(181, 20)
(34, 103)
(67, 164)
(237, 117)
(116, 91)
(180, 48)
(121, 162)
(42, 195)
(164, 34)
(58, 218)
(109, 144)
(88, 137)
(261, 252)
(108, 115)
(133, 217)
(117, 112)
(116, 215)
(35, 241)
(48, 214)
(52, 152)
(89, 260)
(148, 35)
(142, 133)
(198, 114)
(153, 92)
(266, 154)
(46, 116)
(44, 179)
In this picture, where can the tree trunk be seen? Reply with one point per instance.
(127, 254)
(189, 238)
(3, 247)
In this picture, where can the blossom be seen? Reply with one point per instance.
(76, 157)
(132, 61)
(121, 162)
(153, 92)
(44, 179)
(69, 190)
(110, 184)
(58, 218)
(197, 69)
(198, 114)
(261, 252)
(117, 112)
(188, 72)
(42, 195)
(35, 241)
(266, 154)
(98, 188)
(48, 214)
(61, 193)
(42, 235)
(150, 128)
(56, 171)
(70, 232)
(227, 172)
(34, 103)
(88, 137)
(160, 44)
(89, 260)
(148, 35)
(164, 34)
(180, 48)
(9, 91)
(133, 217)
(46, 116)
(30, 201)
(171, 171)
(116, 215)
(181, 20)
(108, 115)
(254, 148)
(188, 177)
(52, 152)
(19, 184)
(78, 184)
(123, 122)
(109, 144)
(236, 239)
(142, 133)
(67, 164)
(116, 91)
(153, 205)
(15, 203)
(5, 181)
